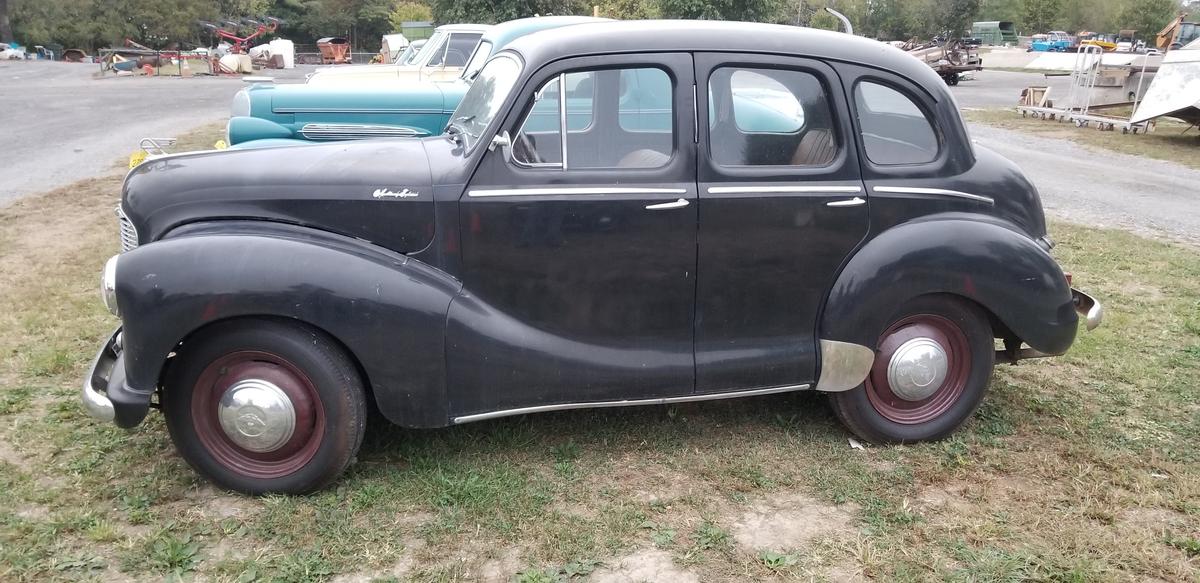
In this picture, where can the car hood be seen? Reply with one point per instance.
(310, 99)
(376, 190)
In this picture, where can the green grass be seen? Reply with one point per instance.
(1167, 142)
(1079, 468)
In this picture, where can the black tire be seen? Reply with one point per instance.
(333, 402)
(867, 415)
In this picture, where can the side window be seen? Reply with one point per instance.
(894, 129)
(639, 100)
(770, 117)
(439, 53)
(646, 100)
(461, 46)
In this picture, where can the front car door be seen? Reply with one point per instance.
(579, 246)
(782, 206)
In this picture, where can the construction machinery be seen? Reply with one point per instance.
(1176, 33)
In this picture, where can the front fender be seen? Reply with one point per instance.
(997, 267)
(388, 310)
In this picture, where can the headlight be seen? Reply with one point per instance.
(241, 104)
(108, 285)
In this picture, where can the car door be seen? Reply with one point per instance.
(579, 247)
(782, 205)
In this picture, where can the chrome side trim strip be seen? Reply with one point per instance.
(354, 110)
(628, 403)
(844, 365)
(935, 192)
(782, 189)
(581, 190)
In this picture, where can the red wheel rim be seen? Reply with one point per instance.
(888, 401)
(235, 367)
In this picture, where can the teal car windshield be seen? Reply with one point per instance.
(483, 100)
(478, 58)
(432, 45)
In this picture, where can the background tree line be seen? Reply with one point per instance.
(90, 24)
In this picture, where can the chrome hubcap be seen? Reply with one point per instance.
(917, 369)
(257, 415)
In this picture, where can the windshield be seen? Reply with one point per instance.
(483, 100)
(478, 58)
(410, 54)
(432, 45)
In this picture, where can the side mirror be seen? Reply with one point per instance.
(501, 140)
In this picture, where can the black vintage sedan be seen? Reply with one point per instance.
(626, 213)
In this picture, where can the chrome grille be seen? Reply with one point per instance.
(129, 234)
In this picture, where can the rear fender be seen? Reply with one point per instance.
(993, 265)
(388, 310)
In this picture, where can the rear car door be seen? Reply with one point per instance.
(579, 246)
(782, 206)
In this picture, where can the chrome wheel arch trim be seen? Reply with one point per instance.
(628, 403)
(934, 192)
(844, 365)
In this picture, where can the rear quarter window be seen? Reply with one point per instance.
(894, 129)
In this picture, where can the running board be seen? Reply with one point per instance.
(627, 403)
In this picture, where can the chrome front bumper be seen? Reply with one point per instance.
(1090, 309)
(99, 378)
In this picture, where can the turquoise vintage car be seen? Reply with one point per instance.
(272, 115)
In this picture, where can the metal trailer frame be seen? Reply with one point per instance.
(1084, 73)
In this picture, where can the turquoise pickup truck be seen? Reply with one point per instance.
(272, 115)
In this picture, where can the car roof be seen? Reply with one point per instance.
(506, 32)
(720, 36)
(464, 27)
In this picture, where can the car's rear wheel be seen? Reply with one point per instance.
(264, 406)
(932, 367)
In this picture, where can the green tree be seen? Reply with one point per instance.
(629, 9)
(409, 12)
(6, 34)
(1148, 17)
(1040, 15)
(890, 20)
(954, 17)
(825, 21)
(748, 10)
(487, 12)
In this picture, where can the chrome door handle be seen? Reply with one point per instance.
(662, 206)
(848, 202)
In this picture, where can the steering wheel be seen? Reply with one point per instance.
(524, 146)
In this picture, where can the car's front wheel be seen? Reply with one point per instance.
(263, 406)
(932, 367)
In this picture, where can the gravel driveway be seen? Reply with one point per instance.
(1102, 188)
(58, 124)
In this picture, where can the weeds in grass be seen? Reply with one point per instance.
(1187, 544)
(174, 554)
(776, 561)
